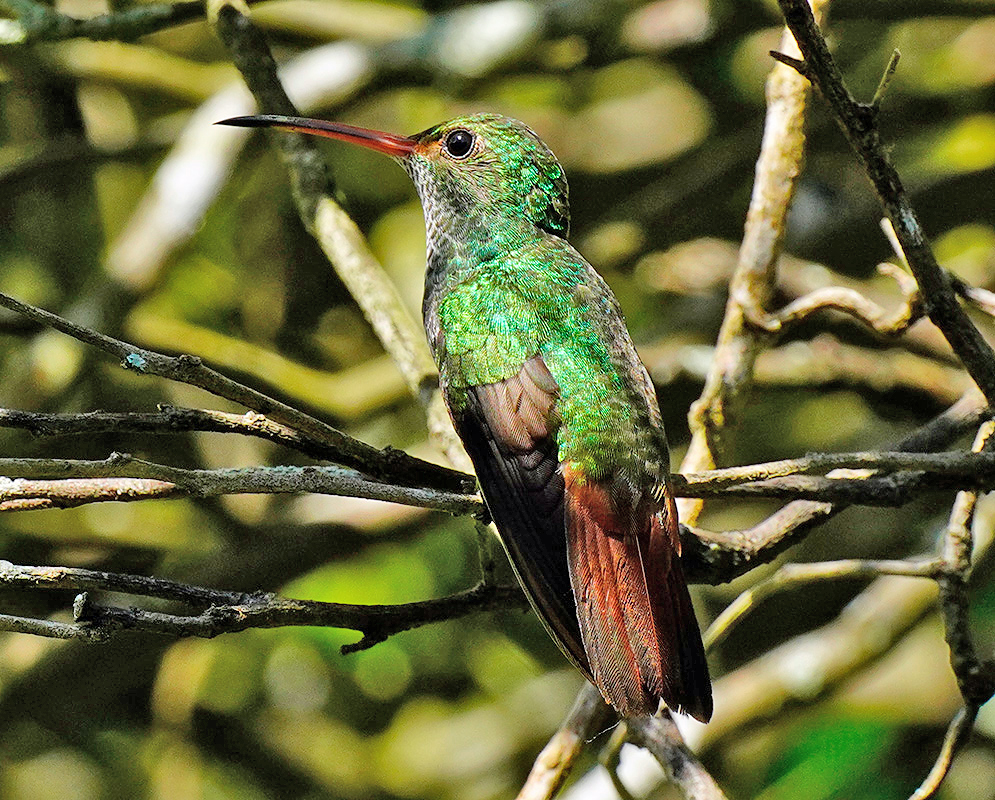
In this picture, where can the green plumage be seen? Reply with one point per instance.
(553, 405)
(540, 301)
(504, 285)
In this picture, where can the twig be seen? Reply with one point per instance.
(338, 236)
(86, 580)
(35, 495)
(190, 370)
(66, 483)
(791, 575)
(975, 678)
(957, 732)
(114, 479)
(717, 557)
(850, 302)
(951, 464)
(229, 612)
(611, 760)
(36, 22)
(738, 344)
(859, 124)
(660, 736)
(588, 716)
(810, 665)
(170, 420)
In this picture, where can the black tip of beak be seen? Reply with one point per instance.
(258, 121)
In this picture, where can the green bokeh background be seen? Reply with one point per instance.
(656, 111)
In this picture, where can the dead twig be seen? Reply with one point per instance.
(227, 612)
(859, 123)
(191, 370)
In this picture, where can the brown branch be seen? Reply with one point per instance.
(975, 677)
(588, 716)
(859, 124)
(191, 370)
(37, 22)
(79, 482)
(896, 479)
(850, 302)
(948, 464)
(660, 736)
(879, 607)
(337, 235)
(957, 734)
(35, 495)
(229, 612)
(791, 575)
(169, 420)
(717, 557)
(731, 374)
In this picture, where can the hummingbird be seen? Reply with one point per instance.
(552, 403)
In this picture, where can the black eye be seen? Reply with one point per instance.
(459, 143)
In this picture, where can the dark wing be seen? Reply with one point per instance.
(509, 431)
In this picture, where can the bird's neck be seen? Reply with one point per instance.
(459, 245)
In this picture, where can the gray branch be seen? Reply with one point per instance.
(227, 612)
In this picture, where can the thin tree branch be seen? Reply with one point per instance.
(65, 483)
(859, 124)
(952, 464)
(337, 235)
(711, 557)
(791, 575)
(975, 677)
(660, 736)
(850, 302)
(37, 22)
(191, 370)
(611, 760)
(957, 734)
(114, 478)
(169, 420)
(229, 612)
(588, 716)
(738, 344)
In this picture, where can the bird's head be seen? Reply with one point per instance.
(482, 163)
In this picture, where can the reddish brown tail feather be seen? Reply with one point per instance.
(636, 619)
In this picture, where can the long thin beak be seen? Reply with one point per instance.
(389, 143)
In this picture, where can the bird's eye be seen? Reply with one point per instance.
(459, 143)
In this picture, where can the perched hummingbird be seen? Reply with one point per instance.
(553, 405)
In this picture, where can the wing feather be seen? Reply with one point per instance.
(509, 431)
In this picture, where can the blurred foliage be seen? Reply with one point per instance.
(656, 111)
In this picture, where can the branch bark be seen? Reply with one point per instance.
(859, 123)
(228, 612)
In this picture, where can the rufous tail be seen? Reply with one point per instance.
(637, 623)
